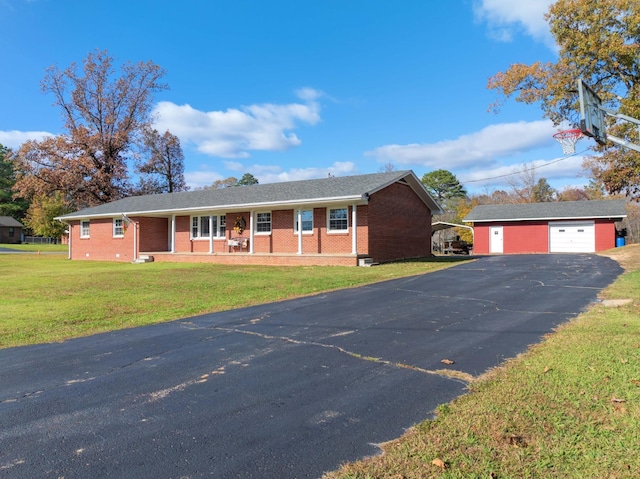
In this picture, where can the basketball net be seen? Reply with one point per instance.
(568, 140)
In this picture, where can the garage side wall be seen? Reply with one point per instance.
(605, 234)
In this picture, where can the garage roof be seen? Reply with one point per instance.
(559, 210)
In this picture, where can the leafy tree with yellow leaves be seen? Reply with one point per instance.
(600, 43)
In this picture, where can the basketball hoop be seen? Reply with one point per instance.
(568, 140)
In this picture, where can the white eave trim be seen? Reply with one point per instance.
(558, 218)
(359, 199)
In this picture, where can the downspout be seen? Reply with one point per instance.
(251, 236)
(135, 240)
(299, 217)
(70, 235)
(354, 230)
(173, 233)
(210, 234)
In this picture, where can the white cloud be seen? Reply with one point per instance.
(271, 173)
(506, 17)
(14, 138)
(557, 169)
(235, 132)
(472, 150)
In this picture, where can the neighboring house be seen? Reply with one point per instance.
(347, 220)
(10, 230)
(554, 227)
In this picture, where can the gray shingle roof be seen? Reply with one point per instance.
(344, 188)
(10, 222)
(548, 211)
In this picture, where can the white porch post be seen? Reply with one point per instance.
(210, 234)
(70, 235)
(135, 240)
(251, 230)
(172, 239)
(354, 230)
(299, 221)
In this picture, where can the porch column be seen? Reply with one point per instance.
(210, 234)
(299, 219)
(70, 229)
(251, 220)
(172, 239)
(354, 230)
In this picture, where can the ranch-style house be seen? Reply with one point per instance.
(350, 220)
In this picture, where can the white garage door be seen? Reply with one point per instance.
(572, 237)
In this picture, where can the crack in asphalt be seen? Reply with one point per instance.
(446, 373)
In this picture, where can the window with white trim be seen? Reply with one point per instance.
(84, 228)
(307, 221)
(200, 226)
(222, 226)
(338, 220)
(118, 229)
(263, 222)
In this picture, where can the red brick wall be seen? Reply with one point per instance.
(154, 234)
(101, 245)
(396, 224)
(399, 224)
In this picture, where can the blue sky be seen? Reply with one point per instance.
(296, 89)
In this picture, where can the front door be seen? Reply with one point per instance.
(495, 239)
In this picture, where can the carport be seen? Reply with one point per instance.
(441, 234)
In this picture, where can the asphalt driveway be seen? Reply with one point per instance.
(282, 390)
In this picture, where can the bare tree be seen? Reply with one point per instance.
(163, 170)
(103, 116)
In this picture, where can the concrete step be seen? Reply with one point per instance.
(366, 262)
(144, 259)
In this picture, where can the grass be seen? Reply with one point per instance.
(47, 298)
(44, 248)
(567, 408)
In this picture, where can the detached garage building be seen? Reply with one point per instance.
(558, 227)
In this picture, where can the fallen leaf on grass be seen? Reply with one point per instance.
(636, 382)
(616, 400)
(546, 369)
(440, 463)
(447, 361)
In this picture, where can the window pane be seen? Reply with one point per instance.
(338, 219)
(263, 223)
(214, 225)
(223, 225)
(307, 220)
(204, 226)
(194, 227)
(84, 229)
(117, 227)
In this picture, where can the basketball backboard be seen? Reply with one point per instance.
(591, 114)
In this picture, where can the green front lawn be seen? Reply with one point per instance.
(49, 298)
